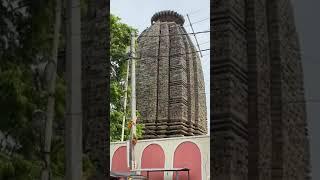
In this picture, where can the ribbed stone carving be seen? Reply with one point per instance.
(259, 115)
(170, 84)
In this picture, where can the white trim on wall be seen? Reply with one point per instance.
(169, 146)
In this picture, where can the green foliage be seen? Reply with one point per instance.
(57, 158)
(15, 32)
(26, 36)
(43, 13)
(16, 167)
(13, 96)
(120, 41)
(18, 100)
(19, 97)
(88, 167)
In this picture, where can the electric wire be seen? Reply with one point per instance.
(193, 12)
(204, 43)
(172, 55)
(202, 20)
(182, 34)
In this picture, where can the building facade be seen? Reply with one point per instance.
(170, 85)
(259, 119)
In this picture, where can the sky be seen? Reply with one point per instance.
(138, 14)
(307, 22)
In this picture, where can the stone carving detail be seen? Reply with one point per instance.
(170, 85)
(259, 117)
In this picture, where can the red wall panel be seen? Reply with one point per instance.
(153, 157)
(187, 155)
(119, 160)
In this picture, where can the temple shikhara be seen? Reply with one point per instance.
(170, 86)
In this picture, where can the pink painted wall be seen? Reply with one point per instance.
(171, 152)
(153, 157)
(119, 160)
(188, 155)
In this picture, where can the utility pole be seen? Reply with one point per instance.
(52, 65)
(133, 101)
(73, 130)
(125, 101)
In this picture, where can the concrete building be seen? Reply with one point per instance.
(170, 86)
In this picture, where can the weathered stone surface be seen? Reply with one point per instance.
(259, 119)
(170, 85)
(95, 86)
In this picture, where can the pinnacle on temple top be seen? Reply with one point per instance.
(167, 16)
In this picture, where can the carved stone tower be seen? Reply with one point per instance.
(170, 84)
(259, 115)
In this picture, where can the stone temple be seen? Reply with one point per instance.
(259, 125)
(170, 85)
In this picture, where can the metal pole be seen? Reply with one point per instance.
(125, 102)
(73, 130)
(133, 99)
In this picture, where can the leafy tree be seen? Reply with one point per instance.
(120, 41)
(16, 167)
(26, 38)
